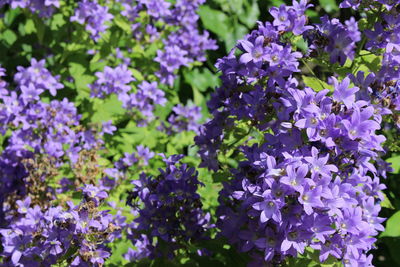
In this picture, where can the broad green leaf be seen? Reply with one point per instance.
(276, 3)
(138, 76)
(9, 36)
(11, 15)
(316, 83)
(40, 28)
(107, 109)
(329, 5)
(125, 26)
(251, 15)
(386, 202)
(238, 34)
(395, 161)
(57, 21)
(392, 226)
(372, 61)
(202, 80)
(30, 27)
(81, 80)
(216, 21)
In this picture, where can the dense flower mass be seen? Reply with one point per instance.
(37, 237)
(183, 119)
(313, 180)
(44, 8)
(302, 128)
(335, 39)
(38, 128)
(94, 16)
(169, 209)
(184, 44)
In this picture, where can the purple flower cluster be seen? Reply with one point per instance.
(36, 76)
(169, 211)
(112, 80)
(291, 18)
(117, 80)
(335, 39)
(115, 175)
(183, 119)
(39, 237)
(386, 35)
(184, 45)
(367, 5)
(144, 100)
(322, 191)
(37, 128)
(45, 8)
(94, 16)
(313, 179)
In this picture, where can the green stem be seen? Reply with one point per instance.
(312, 72)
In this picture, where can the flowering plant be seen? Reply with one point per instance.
(121, 143)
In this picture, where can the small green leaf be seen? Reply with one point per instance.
(123, 24)
(137, 74)
(316, 84)
(40, 28)
(395, 161)
(386, 203)
(392, 226)
(329, 5)
(216, 21)
(107, 109)
(202, 80)
(9, 36)
(251, 15)
(30, 27)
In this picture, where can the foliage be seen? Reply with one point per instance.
(199, 133)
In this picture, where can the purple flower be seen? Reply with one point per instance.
(93, 16)
(344, 94)
(318, 165)
(91, 191)
(24, 205)
(360, 125)
(269, 207)
(108, 127)
(254, 52)
(295, 177)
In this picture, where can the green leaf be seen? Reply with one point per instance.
(316, 83)
(125, 26)
(251, 15)
(216, 21)
(40, 28)
(57, 20)
(221, 176)
(30, 27)
(11, 15)
(81, 80)
(275, 3)
(107, 109)
(9, 36)
(395, 161)
(329, 5)
(386, 202)
(370, 60)
(137, 74)
(201, 79)
(392, 226)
